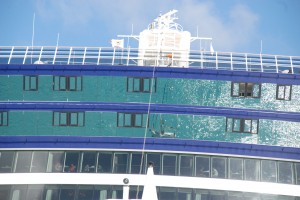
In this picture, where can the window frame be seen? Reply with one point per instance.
(230, 127)
(4, 118)
(27, 80)
(67, 86)
(141, 81)
(284, 92)
(244, 93)
(68, 118)
(122, 120)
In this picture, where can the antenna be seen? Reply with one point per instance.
(57, 39)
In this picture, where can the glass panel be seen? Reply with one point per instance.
(4, 192)
(169, 165)
(254, 126)
(120, 119)
(85, 193)
(217, 195)
(117, 192)
(136, 163)
(19, 192)
(72, 83)
(74, 119)
(247, 125)
(55, 82)
(3, 118)
(242, 88)
(129, 84)
(202, 166)
(120, 163)
(33, 82)
(52, 192)
(138, 120)
(268, 171)
(218, 169)
(67, 193)
(62, 83)
(146, 85)
(236, 168)
(136, 84)
(229, 125)
(56, 162)
(185, 194)
(63, 119)
(6, 161)
(235, 89)
(89, 162)
(71, 162)
(252, 169)
(23, 161)
(56, 118)
(127, 119)
(186, 165)
(35, 192)
(39, 161)
(297, 166)
(249, 89)
(81, 119)
(105, 162)
(135, 192)
(155, 159)
(167, 193)
(101, 192)
(256, 90)
(236, 125)
(288, 91)
(280, 91)
(26, 82)
(79, 83)
(285, 173)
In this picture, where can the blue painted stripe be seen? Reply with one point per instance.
(154, 108)
(126, 143)
(165, 72)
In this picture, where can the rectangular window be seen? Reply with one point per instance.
(284, 92)
(245, 90)
(68, 119)
(236, 168)
(3, 118)
(105, 160)
(202, 166)
(120, 163)
(285, 172)
(67, 83)
(186, 165)
(252, 169)
(169, 165)
(218, 167)
(6, 161)
(138, 120)
(268, 171)
(30, 83)
(240, 125)
(141, 84)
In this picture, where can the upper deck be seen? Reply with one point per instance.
(60, 55)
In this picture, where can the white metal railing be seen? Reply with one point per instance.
(133, 56)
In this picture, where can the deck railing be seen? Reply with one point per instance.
(131, 56)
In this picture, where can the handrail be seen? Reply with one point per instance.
(149, 57)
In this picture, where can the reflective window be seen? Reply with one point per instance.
(284, 92)
(245, 90)
(35, 192)
(4, 192)
(169, 164)
(186, 165)
(56, 162)
(52, 192)
(4, 118)
(140, 84)
(116, 192)
(166, 193)
(30, 83)
(105, 162)
(218, 169)
(85, 193)
(184, 194)
(89, 162)
(268, 171)
(218, 195)
(101, 192)
(67, 83)
(155, 158)
(23, 161)
(240, 125)
(137, 120)
(68, 119)
(236, 168)
(202, 166)
(135, 192)
(19, 192)
(71, 162)
(120, 163)
(39, 161)
(67, 193)
(6, 161)
(252, 169)
(136, 163)
(297, 167)
(285, 173)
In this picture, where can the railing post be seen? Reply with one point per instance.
(217, 60)
(201, 54)
(246, 61)
(276, 64)
(10, 56)
(70, 55)
(261, 64)
(25, 55)
(292, 67)
(98, 61)
(128, 52)
(83, 59)
(231, 64)
(40, 56)
(54, 55)
(113, 60)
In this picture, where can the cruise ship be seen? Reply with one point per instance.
(157, 121)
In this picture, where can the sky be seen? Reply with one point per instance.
(246, 26)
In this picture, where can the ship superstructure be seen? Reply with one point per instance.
(84, 122)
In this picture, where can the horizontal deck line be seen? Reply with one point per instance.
(139, 71)
(151, 144)
(154, 108)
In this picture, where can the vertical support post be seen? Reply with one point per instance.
(128, 53)
(54, 55)
(125, 192)
(84, 54)
(276, 64)
(261, 64)
(217, 60)
(10, 56)
(99, 53)
(292, 67)
(113, 60)
(246, 58)
(70, 53)
(231, 64)
(40, 56)
(25, 55)
(201, 58)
